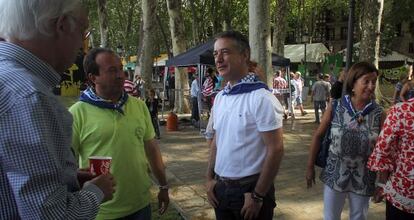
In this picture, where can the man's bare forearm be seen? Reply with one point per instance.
(274, 144)
(155, 160)
(212, 160)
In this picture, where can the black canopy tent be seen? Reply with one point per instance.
(199, 55)
(280, 61)
(202, 57)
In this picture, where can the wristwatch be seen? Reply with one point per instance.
(256, 197)
(164, 187)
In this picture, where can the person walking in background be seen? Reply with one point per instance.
(320, 95)
(139, 86)
(393, 159)
(286, 94)
(171, 89)
(38, 172)
(299, 89)
(152, 104)
(404, 89)
(355, 126)
(219, 83)
(247, 145)
(293, 90)
(398, 87)
(337, 86)
(108, 122)
(208, 88)
(407, 91)
(195, 94)
(129, 86)
(279, 88)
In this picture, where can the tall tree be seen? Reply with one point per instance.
(259, 36)
(216, 15)
(129, 19)
(370, 39)
(140, 42)
(164, 37)
(279, 29)
(181, 105)
(103, 22)
(227, 15)
(370, 30)
(194, 22)
(146, 59)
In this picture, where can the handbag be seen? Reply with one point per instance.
(325, 141)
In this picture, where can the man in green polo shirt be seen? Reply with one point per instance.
(108, 122)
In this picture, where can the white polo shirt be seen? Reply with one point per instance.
(238, 121)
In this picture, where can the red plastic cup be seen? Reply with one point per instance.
(99, 165)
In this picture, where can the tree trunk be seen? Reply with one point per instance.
(216, 16)
(128, 27)
(227, 15)
(103, 22)
(164, 37)
(370, 40)
(259, 36)
(194, 23)
(370, 32)
(181, 105)
(299, 22)
(149, 8)
(140, 45)
(279, 33)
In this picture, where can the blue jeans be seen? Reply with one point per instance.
(319, 105)
(231, 200)
(142, 214)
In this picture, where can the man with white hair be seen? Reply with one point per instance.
(38, 171)
(299, 88)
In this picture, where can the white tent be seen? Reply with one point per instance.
(315, 53)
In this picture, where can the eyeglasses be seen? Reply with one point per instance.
(86, 35)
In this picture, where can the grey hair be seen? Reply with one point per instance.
(27, 19)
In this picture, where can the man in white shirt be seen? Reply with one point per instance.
(299, 88)
(195, 92)
(247, 146)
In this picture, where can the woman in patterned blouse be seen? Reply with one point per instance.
(393, 158)
(355, 126)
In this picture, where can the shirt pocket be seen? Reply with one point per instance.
(246, 125)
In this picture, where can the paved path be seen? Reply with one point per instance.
(185, 153)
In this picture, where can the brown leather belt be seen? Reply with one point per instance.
(240, 182)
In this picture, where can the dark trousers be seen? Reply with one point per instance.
(319, 105)
(171, 98)
(230, 198)
(154, 120)
(208, 101)
(286, 100)
(194, 110)
(392, 213)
